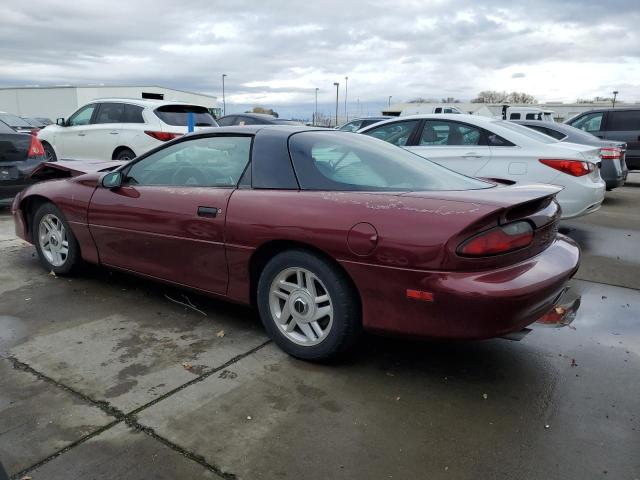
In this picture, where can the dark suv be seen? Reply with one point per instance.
(621, 124)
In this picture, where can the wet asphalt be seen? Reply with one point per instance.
(102, 376)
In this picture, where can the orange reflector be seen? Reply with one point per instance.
(420, 295)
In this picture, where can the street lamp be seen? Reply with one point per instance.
(390, 100)
(224, 103)
(337, 85)
(315, 112)
(615, 94)
(346, 113)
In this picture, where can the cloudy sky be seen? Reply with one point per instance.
(276, 52)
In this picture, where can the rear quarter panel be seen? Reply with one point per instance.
(323, 220)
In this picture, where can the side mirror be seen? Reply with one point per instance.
(112, 180)
(60, 121)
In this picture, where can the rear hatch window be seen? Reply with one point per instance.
(14, 121)
(178, 115)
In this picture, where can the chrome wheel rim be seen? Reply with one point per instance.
(53, 240)
(300, 306)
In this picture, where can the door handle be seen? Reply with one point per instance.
(471, 155)
(82, 134)
(113, 133)
(210, 212)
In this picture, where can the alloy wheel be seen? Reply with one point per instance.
(53, 240)
(300, 306)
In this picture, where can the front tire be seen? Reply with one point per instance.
(55, 243)
(308, 306)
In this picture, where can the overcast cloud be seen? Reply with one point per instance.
(276, 52)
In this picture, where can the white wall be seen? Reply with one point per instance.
(36, 102)
(57, 102)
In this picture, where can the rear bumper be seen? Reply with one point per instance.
(581, 198)
(466, 305)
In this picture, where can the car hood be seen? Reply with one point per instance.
(73, 168)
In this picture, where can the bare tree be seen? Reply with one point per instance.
(493, 96)
(450, 100)
(423, 100)
(266, 111)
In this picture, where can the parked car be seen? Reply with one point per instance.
(20, 154)
(621, 124)
(16, 123)
(527, 113)
(119, 128)
(325, 232)
(614, 168)
(242, 119)
(35, 123)
(358, 123)
(491, 148)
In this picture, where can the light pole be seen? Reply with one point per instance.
(224, 103)
(337, 85)
(315, 112)
(615, 94)
(390, 100)
(346, 113)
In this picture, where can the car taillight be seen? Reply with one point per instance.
(162, 136)
(498, 240)
(610, 153)
(575, 168)
(35, 149)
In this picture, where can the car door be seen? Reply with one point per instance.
(624, 125)
(592, 123)
(102, 135)
(70, 140)
(459, 146)
(167, 219)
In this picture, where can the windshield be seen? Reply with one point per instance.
(13, 120)
(341, 161)
(527, 132)
(178, 115)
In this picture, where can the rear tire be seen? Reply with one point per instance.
(55, 243)
(125, 155)
(308, 306)
(49, 152)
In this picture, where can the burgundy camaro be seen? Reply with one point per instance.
(325, 232)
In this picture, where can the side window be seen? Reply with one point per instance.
(438, 110)
(495, 140)
(554, 133)
(110, 113)
(396, 133)
(591, 122)
(352, 126)
(436, 132)
(514, 116)
(246, 121)
(200, 162)
(82, 116)
(133, 114)
(624, 120)
(227, 121)
(531, 116)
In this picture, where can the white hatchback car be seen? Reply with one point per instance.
(485, 147)
(119, 128)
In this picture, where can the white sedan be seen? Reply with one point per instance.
(485, 147)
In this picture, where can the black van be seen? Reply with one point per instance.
(621, 124)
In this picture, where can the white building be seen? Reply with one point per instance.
(61, 101)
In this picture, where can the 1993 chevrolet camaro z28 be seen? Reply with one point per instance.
(326, 232)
